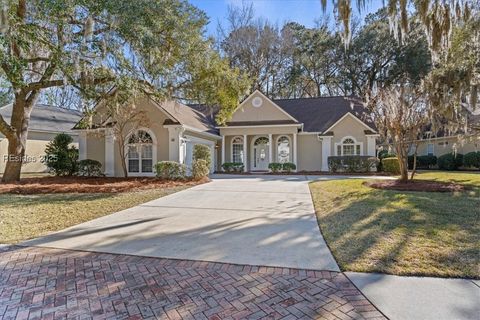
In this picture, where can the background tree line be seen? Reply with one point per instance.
(293, 61)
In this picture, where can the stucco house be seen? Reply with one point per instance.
(261, 130)
(46, 122)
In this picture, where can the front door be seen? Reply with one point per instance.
(260, 156)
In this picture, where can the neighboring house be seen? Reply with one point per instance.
(437, 146)
(303, 131)
(45, 122)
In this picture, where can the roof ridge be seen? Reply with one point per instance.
(323, 97)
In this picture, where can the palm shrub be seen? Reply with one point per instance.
(90, 168)
(200, 169)
(170, 170)
(450, 161)
(60, 156)
(275, 167)
(201, 151)
(472, 159)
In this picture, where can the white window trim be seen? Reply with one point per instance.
(154, 153)
(289, 147)
(231, 146)
(433, 148)
(341, 144)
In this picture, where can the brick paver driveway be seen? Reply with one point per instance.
(56, 284)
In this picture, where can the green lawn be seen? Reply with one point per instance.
(403, 233)
(24, 217)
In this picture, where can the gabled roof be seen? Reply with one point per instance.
(319, 114)
(47, 118)
(190, 116)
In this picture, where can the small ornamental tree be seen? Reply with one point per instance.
(202, 152)
(401, 112)
(61, 157)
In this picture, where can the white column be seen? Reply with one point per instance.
(109, 153)
(174, 143)
(223, 150)
(245, 153)
(371, 145)
(295, 150)
(270, 148)
(82, 145)
(326, 151)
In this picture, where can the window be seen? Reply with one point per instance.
(430, 149)
(140, 152)
(237, 150)
(283, 149)
(349, 147)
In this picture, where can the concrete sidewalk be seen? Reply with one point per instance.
(401, 298)
(253, 220)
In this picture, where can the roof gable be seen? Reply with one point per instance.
(259, 108)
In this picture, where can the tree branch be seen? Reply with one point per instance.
(6, 129)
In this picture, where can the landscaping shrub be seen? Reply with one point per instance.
(423, 162)
(391, 165)
(201, 151)
(200, 169)
(382, 155)
(351, 163)
(289, 166)
(275, 166)
(233, 166)
(450, 161)
(170, 170)
(60, 157)
(472, 160)
(90, 168)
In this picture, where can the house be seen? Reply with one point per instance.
(45, 123)
(261, 130)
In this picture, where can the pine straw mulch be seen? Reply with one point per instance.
(416, 185)
(46, 185)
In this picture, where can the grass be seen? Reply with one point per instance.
(24, 217)
(402, 233)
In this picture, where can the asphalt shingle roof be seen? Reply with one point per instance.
(47, 118)
(319, 114)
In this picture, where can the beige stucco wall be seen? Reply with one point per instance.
(35, 150)
(96, 147)
(309, 153)
(266, 112)
(349, 126)
(465, 145)
(258, 130)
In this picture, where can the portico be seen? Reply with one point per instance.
(258, 146)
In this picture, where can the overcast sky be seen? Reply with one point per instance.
(277, 11)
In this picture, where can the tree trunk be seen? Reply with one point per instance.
(121, 150)
(402, 156)
(22, 108)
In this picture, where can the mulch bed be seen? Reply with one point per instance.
(46, 185)
(415, 185)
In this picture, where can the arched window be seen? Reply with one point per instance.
(237, 150)
(348, 147)
(140, 152)
(283, 149)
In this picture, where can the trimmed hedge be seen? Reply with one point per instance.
(170, 170)
(391, 165)
(200, 169)
(450, 161)
(201, 151)
(472, 160)
(288, 166)
(382, 155)
(233, 166)
(61, 158)
(351, 163)
(275, 166)
(90, 168)
(423, 162)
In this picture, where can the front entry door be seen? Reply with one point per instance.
(260, 156)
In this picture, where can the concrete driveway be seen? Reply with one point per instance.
(255, 220)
